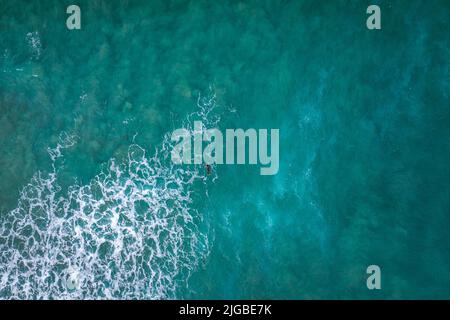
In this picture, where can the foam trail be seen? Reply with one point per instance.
(131, 233)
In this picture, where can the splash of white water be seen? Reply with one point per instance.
(130, 233)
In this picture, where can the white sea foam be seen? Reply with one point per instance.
(132, 232)
(34, 41)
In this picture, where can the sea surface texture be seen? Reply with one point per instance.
(92, 207)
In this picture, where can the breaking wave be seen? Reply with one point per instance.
(131, 233)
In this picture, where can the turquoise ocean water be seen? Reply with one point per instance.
(87, 190)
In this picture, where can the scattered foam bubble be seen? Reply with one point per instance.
(34, 41)
(131, 233)
(65, 141)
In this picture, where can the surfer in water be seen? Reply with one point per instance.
(208, 169)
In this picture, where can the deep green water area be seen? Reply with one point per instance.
(87, 191)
